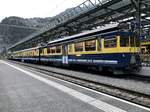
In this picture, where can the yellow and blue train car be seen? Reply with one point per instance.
(111, 49)
(26, 55)
(145, 50)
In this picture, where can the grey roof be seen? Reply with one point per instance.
(109, 26)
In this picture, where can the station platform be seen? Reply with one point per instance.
(25, 90)
(145, 71)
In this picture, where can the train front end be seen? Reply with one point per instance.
(129, 47)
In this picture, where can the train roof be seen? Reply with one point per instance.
(103, 29)
(112, 29)
(26, 49)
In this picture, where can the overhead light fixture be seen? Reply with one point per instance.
(143, 14)
(148, 18)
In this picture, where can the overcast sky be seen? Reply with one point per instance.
(35, 8)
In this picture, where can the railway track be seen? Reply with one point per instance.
(129, 95)
(135, 77)
(139, 78)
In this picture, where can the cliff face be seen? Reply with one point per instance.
(14, 29)
(31, 22)
(10, 34)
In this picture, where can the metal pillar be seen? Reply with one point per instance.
(138, 18)
(137, 22)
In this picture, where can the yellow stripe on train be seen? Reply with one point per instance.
(109, 50)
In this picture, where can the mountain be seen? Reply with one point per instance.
(14, 29)
(31, 22)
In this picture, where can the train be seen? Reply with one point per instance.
(110, 48)
(145, 50)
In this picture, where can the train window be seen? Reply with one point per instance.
(78, 46)
(90, 45)
(48, 50)
(41, 51)
(70, 48)
(58, 49)
(37, 52)
(53, 50)
(124, 41)
(109, 43)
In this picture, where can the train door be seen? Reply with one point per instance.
(65, 54)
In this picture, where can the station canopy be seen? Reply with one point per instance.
(89, 15)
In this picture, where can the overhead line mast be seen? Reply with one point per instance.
(137, 20)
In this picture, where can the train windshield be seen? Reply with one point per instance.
(126, 41)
